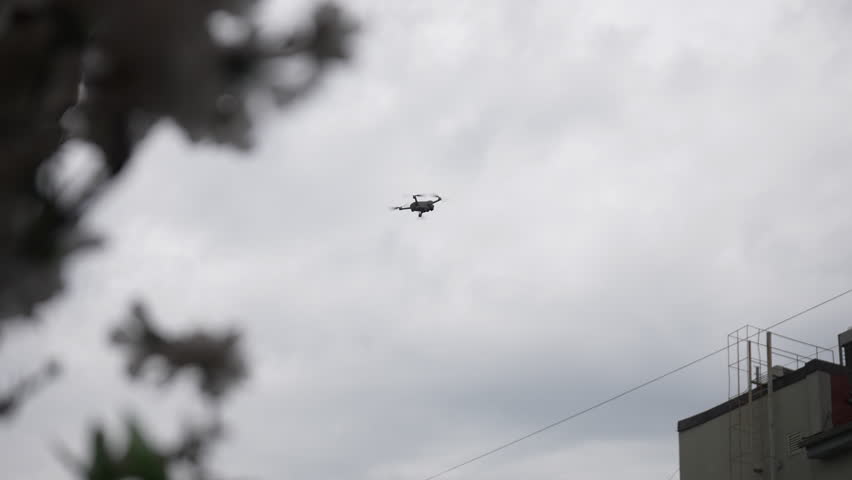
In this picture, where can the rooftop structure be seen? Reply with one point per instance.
(788, 414)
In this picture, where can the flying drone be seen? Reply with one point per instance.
(421, 206)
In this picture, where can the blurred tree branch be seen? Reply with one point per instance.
(11, 400)
(104, 72)
(215, 357)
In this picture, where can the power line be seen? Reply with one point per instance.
(627, 392)
(797, 315)
(577, 414)
(674, 473)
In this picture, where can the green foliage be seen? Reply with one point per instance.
(140, 460)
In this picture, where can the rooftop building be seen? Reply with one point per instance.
(792, 424)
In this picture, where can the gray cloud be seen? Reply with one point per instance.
(623, 185)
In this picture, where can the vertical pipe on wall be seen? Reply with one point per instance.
(770, 420)
(750, 409)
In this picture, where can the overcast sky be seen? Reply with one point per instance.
(624, 184)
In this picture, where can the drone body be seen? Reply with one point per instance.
(421, 206)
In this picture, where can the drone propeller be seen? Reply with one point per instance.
(427, 195)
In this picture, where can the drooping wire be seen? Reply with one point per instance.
(629, 391)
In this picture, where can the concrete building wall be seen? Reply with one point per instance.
(703, 451)
(834, 469)
(735, 445)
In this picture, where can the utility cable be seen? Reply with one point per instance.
(674, 473)
(626, 392)
(797, 315)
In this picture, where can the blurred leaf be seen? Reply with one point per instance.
(216, 357)
(141, 460)
(102, 464)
